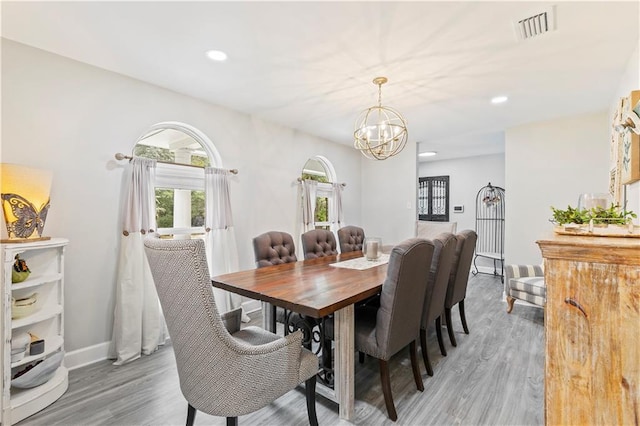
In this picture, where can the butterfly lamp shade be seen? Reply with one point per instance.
(25, 201)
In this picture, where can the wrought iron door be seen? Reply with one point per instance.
(433, 198)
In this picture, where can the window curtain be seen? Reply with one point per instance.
(222, 252)
(138, 325)
(309, 194)
(336, 214)
(307, 207)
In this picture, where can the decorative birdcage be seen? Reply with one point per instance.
(490, 203)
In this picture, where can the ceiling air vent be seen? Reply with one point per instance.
(536, 25)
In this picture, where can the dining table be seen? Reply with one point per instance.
(317, 288)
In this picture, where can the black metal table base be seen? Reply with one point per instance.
(314, 339)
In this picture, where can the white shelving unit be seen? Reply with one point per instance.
(45, 259)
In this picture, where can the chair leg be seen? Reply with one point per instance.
(414, 366)
(443, 351)
(191, 415)
(286, 322)
(510, 302)
(361, 357)
(273, 318)
(306, 340)
(386, 390)
(310, 392)
(232, 421)
(425, 353)
(463, 318)
(452, 338)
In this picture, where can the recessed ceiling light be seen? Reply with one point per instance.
(427, 154)
(216, 55)
(499, 99)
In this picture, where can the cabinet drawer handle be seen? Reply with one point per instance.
(572, 302)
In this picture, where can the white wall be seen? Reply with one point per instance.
(389, 189)
(72, 118)
(466, 177)
(630, 81)
(550, 164)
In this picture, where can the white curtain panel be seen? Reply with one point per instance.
(138, 325)
(222, 252)
(336, 214)
(307, 208)
(309, 191)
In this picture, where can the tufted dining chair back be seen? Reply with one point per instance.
(441, 264)
(382, 331)
(350, 238)
(457, 288)
(274, 248)
(318, 243)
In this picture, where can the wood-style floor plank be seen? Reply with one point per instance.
(493, 377)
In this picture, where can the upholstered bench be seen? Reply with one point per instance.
(525, 282)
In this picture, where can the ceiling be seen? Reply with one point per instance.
(310, 65)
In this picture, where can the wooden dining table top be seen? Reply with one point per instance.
(309, 287)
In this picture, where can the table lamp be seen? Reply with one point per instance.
(25, 201)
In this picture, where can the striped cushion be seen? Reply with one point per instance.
(531, 285)
(517, 271)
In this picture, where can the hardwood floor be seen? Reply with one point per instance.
(493, 377)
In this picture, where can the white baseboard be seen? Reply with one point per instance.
(85, 356)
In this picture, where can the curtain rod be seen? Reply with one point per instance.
(343, 184)
(121, 156)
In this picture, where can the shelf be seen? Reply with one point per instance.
(25, 402)
(36, 281)
(46, 261)
(51, 344)
(41, 315)
(35, 245)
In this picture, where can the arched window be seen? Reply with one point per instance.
(320, 169)
(182, 152)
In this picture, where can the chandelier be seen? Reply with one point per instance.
(380, 132)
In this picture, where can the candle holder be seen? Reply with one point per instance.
(372, 248)
(591, 201)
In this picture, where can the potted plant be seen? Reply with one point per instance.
(586, 220)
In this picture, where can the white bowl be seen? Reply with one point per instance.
(39, 374)
(20, 340)
(17, 355)
(25, 306)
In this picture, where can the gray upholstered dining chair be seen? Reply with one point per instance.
(457, 289)
(441, 263)
(318, 243)
(223, 370)
(384, 330)
(350, 238)
(274, 248)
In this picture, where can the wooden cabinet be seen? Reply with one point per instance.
(592, 330)
(45, 259)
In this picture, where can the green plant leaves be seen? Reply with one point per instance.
(600, 215)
